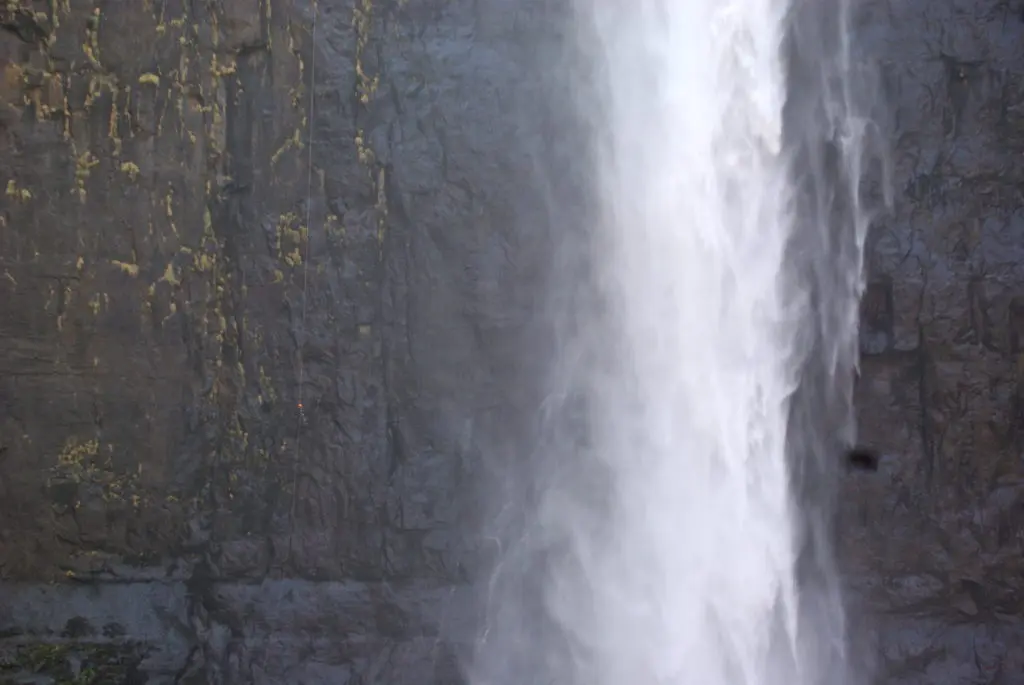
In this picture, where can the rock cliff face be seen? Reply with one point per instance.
(934, 541)
(177, 280)
(245, 382)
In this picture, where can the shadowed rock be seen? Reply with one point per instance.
(862, 459)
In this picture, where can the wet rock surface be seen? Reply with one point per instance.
(933, 540)
(171, 275)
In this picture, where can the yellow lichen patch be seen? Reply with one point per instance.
(170, 276)
(81, 462)
(203, 263)
(363, 151)
(149, 79)
(83, 168)
(131, 169)
(291, 236)
(17, 193)
(362, 21)
(218, 70)
(293, 142)
(169, 209)
(91, 47)
(97, 83)
(293, 258)
(130, 269)
(76, 453)
(113, 124)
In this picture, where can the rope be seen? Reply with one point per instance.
(305, 269)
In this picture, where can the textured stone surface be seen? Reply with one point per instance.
(933, 542)
(166, 283)
(162, 293)
(267, 632)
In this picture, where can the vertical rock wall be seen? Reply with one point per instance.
(176, 279)
(934, 540)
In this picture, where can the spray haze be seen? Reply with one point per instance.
(703, 376)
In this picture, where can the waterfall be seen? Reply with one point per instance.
(683, 534)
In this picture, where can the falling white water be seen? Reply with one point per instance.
(691, 577)
(682, 535)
